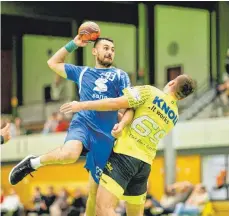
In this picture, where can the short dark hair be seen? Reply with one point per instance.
(99, 39)
(185, 86)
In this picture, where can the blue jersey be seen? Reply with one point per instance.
(95, 84)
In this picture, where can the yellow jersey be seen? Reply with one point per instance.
(156, 113)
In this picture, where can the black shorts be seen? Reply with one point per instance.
(125, 176)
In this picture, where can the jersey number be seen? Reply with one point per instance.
(109, 76)
(144, 130)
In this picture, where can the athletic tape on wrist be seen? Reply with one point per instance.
(71, 46)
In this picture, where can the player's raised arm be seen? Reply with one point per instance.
(56, 62)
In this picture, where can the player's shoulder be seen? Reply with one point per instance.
(77, 67)
(115, 69)
(141, 90)
(148, 88)
(121, 74)
(153, 88)
(89, 68)
(122, 71)
(119, 71)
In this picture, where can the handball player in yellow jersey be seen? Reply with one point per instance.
(126, 173)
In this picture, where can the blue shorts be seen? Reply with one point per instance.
(98, 146)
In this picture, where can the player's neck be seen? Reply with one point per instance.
(99, 66)
(171, 94)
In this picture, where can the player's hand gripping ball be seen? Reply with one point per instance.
(89, 31)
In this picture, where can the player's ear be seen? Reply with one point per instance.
(94, 51)
(171, 83)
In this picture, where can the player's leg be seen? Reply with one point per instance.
(135, 193)
(134, 210)
(135, 205)
(68, 153)
(106, 202)
(65, 154)
(100, 150)
(113, 182)
(91, 200)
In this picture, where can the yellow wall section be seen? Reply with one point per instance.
(69, 176)
(73, 176)
(156, 179)
(188, 168)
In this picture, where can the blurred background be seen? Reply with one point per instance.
(155, 42)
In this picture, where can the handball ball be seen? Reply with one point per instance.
(89, 31)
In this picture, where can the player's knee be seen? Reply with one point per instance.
(67, 156)
(103, 210)
(100, 208)
(103, 207)
(134, 209)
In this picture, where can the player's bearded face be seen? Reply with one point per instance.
(105, 59)
(105, 53)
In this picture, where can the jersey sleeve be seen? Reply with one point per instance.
(137, 95)
(73, 72)
(124, 82)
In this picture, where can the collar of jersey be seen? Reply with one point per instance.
(172, 99)
(104, 68)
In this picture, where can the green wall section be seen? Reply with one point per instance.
(189, 28)
(36, 73)
(143, 41)
(124, 37)
(213, 44)
(224, 33)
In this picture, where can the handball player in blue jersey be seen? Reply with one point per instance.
(89, 131)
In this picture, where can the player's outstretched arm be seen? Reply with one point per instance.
(125, 120)
(108, 104)
(127, 117)
(56, 62)
(133, 98)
